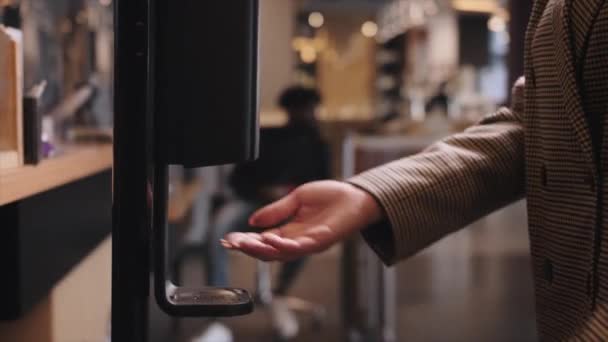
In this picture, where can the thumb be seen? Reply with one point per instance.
(275, 213)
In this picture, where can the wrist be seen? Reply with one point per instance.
(370, 207)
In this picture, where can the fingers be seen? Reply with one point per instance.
(252, 245)
(274, 246)
(292, 248)
(275, 213)
(235, 240)
(271, 247)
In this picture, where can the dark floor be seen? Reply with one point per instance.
(472, 286)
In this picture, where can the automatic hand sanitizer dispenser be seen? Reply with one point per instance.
(204, 99)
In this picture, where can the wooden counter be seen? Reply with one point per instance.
(75, 162)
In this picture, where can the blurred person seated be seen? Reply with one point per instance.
(290, 156)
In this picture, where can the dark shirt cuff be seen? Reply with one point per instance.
(380, 239)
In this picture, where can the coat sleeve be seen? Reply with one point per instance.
(451, 184)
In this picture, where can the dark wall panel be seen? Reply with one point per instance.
(474, 40)
(45, 236)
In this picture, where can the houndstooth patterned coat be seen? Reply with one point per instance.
(541, 149)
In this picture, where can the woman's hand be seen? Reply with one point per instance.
(312, 218)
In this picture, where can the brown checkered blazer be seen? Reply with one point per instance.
(541, 148)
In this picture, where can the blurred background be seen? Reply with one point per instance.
(346, 85)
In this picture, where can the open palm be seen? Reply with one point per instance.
(309, 220)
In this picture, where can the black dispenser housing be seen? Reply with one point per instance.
(205, 88)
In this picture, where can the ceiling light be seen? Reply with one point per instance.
(497, 24)
(369, 29)
(316, 19)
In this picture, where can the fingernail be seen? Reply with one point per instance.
(226, 244)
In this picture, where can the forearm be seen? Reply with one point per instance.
(451, 184)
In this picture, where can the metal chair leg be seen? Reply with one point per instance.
(263, 283)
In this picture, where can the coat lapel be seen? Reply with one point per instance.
(580, 17)
(567, 77)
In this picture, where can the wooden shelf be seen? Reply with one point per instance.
(75, 162)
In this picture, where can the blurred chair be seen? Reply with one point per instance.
(370, 288)
(314, 312)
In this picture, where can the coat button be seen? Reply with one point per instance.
(548, 271)
(543, 175)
